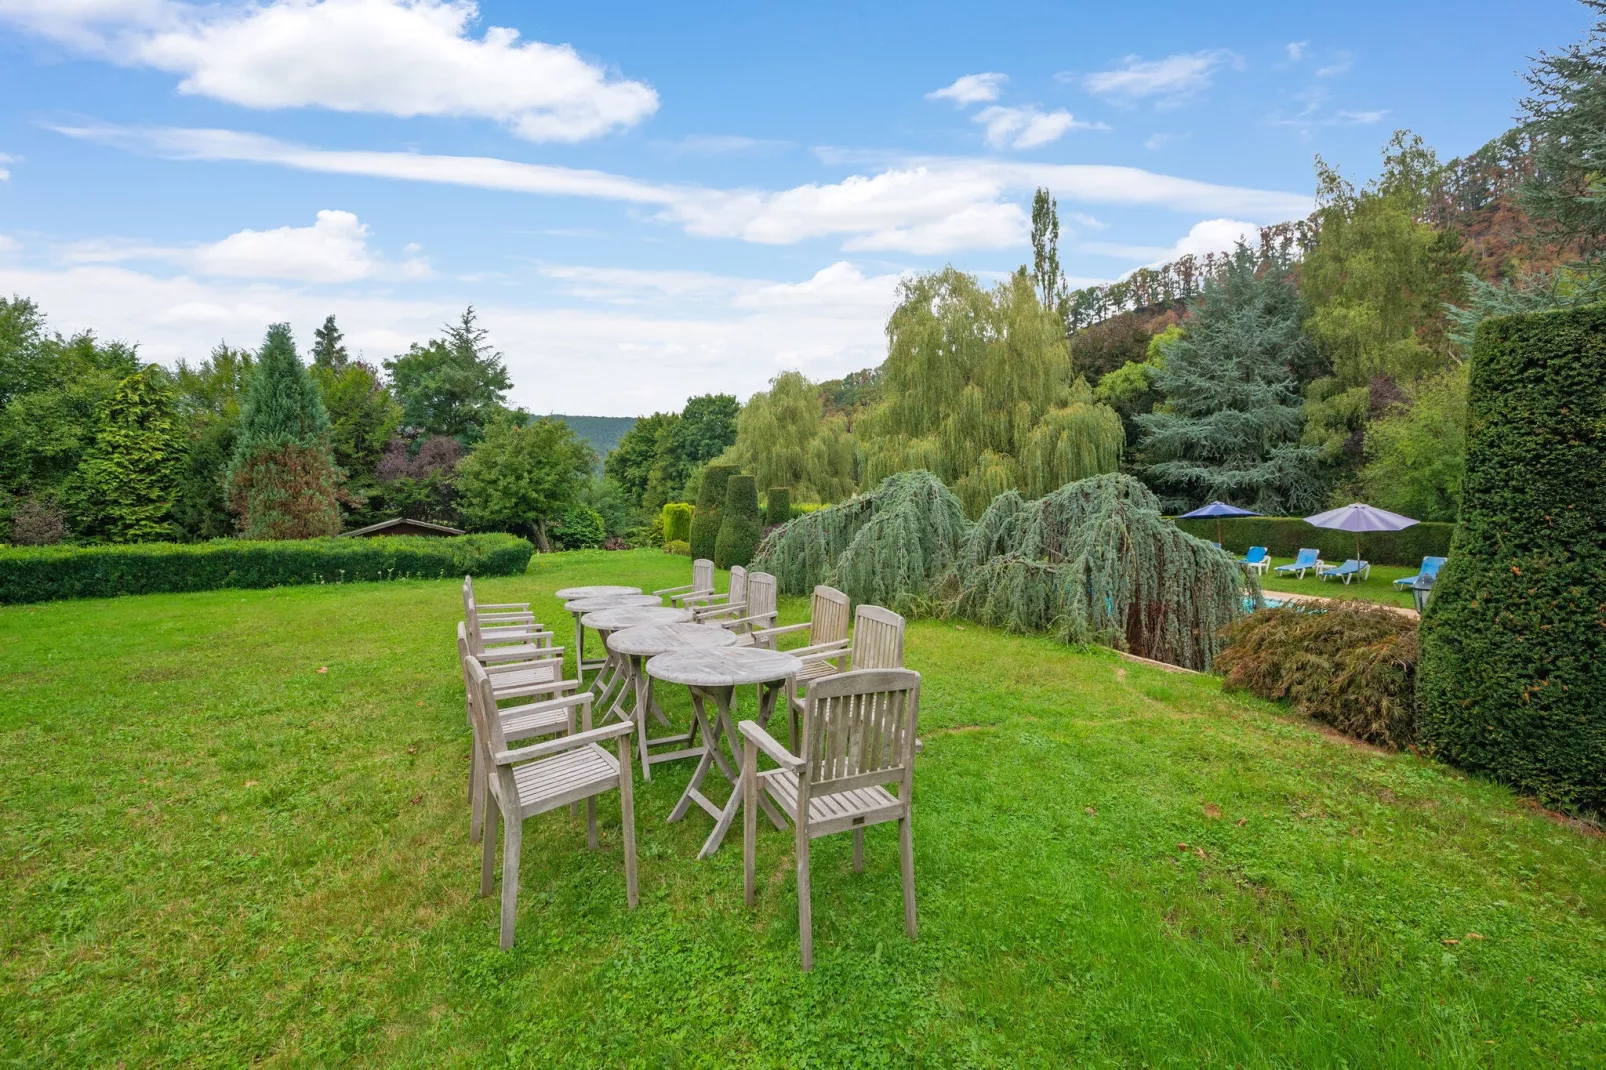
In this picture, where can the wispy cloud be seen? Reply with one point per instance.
(1341, 63)
(971, 89)
(716, 145)
(1168, 81)
(1295, 50)
(1026, 127)
(392, 57)
(5, 174)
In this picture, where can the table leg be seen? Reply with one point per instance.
(710, 738)
(727, 814)
(642, 684)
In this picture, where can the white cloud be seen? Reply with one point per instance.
(394, 57)
(8, 243)
(5, 174)
(1026, 127)
(333, 250)
(1362, 118)
(1342, 62)
(1208, 236)
(1295, 50)
(715, 145)
(925, 206)
(1171, 79)
(650, 352)
(971, 89)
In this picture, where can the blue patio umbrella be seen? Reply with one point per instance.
(1359, 517)
(1217, 510)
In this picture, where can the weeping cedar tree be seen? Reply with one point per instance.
(282, 481)
(1512, 677)
(705, 520)
(1232, 422)
(524, 478)
(1097, 563)
(123, 491)
(978, 390)
(739, 527)
(886, 548)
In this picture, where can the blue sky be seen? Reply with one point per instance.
(651, 201)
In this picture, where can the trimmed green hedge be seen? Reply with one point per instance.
(1512, 680)
(677, 522)
(43, 573)
(1283, 536)
(777, 506)
(705, 518)
(740, 531)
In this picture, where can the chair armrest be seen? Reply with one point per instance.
(495, 658)
(520, 617)
(563, 743)
(709, 612)
(749, 621)
(822, 651)
(522, 607)
(692, 596)
(766, 743)
(789, 629)
(673, 590)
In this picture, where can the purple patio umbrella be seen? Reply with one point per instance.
(1217, 510)
(1359, 517)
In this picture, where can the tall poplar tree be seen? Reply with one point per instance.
(1231, 422)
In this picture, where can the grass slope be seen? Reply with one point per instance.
(213, 853)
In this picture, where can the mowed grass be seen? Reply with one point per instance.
(214, 854)
(1377, 587)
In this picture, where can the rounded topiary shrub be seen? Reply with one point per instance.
(739, 527)
(777, 506)
(705, 519)
(678, 546)
(581, 528)
(1512, 678)
(677, 522)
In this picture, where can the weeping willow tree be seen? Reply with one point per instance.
(978, 390)
(886, 548)
(785, 439)
(1095, 562)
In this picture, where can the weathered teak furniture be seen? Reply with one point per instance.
(827, 626)
(547, 717)
(701, 589)
(858, 737)
(540, 674)
(532, 780)
(877, 643)
(610, 683)
(713, 676)
(634, 646)
(759, 611)
(730, 604)
(571, 594)
(509, 636)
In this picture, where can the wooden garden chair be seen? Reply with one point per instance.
(759, 610)
(827, 626)
(877, 643)
(699, 590)
(731, 604)
(551, 716)
(510, 636)
(532, 780)
(538, 674)
(858, 737)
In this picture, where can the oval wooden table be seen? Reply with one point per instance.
(609, 683)
(635, 646)
(573, 594)
(715, 675)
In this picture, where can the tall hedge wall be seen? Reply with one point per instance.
(1512, 677)
(1284, 535)
(705, 519)
(777, 506)
(739, 527)
(43, 573)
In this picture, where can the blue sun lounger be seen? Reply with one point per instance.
(1347, 571)
(1256, 560)
(1307, 561)
(1430, 571)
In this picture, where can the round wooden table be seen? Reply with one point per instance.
(635, 646)
(608, 684)
(572, 594)
(715, 674)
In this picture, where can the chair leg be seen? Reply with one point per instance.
(488, 849)
(591, 822)
(906, 855)
(512, 834)
(627, 820)
(805, 920)
(749, 817)
(476, 803)
(858, 850)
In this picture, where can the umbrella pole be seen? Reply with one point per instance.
(1357, 546)
(1218, 531)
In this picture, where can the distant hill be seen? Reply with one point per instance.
(602, 432)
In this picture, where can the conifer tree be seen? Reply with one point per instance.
(1231, 423)
(327, 350)
(282, 481)
(123, 490)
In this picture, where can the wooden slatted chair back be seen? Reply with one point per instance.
(465, 654)
(877, 639)
(738, 588)
(482, 708)
(828, 617)
(702, 575)
(761, 599)
(471, 617)
(859, 731)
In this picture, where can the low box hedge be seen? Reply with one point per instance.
(44, 573)
(1283, 536)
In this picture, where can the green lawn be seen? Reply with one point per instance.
(213, 853)
(1377, 587)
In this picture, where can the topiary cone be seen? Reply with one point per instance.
(778, 506)
(705, 519)
(739, 527)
